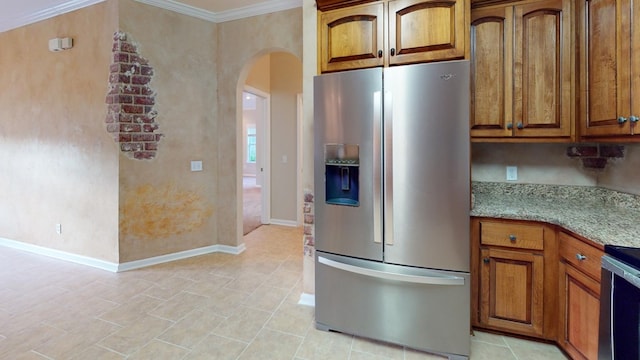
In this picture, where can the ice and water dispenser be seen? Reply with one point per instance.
(342, 164)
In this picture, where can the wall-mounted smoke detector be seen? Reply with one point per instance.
(59, 44)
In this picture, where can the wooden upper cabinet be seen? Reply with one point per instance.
(423, 31)
(392, 32)
(352, 37)
(491, 74)
(609, 67)
(522, 73)
(542, 69)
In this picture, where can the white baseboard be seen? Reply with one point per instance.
(307, 299)
(114, 267)
(290, 223)
(61, 255)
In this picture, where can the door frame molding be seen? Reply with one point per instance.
(264, 152)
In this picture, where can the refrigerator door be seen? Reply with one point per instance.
(427, 160)
(348, 163)
(419, 308)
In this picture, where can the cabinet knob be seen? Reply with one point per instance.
(486, 260)
(622, 120)
(512, 238)
(633, 118)
(520, 125)
(510, 126)
(393, 51)
(379, 53)
(581, 257)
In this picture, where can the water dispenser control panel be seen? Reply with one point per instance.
(342, 165)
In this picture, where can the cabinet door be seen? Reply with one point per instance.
(604, 66)
(351, 38)
(579, 313)
(426, 30)
(511, 290)
(543, 69)
(491, 70)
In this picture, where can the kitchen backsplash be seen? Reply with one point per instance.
(602, 165)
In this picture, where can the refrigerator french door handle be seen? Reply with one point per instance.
(429, 280)
(377, 167)
(388, 168)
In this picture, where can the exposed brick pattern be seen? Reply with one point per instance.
(595, 156)
(309, 220)
(131, 117)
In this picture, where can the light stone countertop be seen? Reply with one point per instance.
(604, 216)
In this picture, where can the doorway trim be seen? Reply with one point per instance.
(264, 152)
(300, 169)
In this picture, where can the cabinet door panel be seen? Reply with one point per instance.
(491, 62)
(580, 309)
(542, 66)
(512, 290)
(605, 37)
(351, 38)
(422, 31)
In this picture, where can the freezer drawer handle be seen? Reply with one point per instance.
(433, 280)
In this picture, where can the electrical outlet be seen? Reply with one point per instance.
(196, 165)
(58, 229)
(512, 173)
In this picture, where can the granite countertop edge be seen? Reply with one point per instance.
(604, 216)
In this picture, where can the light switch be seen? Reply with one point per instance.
(196, 165)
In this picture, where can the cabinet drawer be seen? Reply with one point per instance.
(582, 256)
(512, 235)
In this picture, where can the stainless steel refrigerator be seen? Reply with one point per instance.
(392, 184)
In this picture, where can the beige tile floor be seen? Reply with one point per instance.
(216, 306)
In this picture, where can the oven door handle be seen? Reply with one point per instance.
(622, 270)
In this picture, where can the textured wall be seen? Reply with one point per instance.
(241, 43)
(165, 207)
(558, 164)
(58, 164)
(286, 84)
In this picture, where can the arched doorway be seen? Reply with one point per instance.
(278, 74)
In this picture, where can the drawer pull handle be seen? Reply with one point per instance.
(486, 260)
(512, 238)
(581, 257)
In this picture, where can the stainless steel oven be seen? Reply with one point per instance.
(619, 336)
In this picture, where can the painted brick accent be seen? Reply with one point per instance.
(596, 156)
(309, 219)
(582, 151)
(612, 151)
(131, 117)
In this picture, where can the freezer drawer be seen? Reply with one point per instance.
(418, 308)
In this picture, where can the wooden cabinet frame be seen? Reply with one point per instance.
(391, 32)
(523, 73)
(539, 263)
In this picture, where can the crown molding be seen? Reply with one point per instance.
(47, 13)
(266, 7)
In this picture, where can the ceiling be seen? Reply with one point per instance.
(16, 13)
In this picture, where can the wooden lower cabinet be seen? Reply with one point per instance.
(535, 279)
(579, 297)
(513, 265)
(511, 288)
